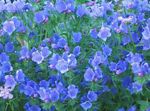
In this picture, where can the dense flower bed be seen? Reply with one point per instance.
(75, 55)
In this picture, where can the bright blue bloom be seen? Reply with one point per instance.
(44, 84)
(104, 33)
(62, 66)
(61, 43)
(72, 91)
(106, 50)
(9, 47)
(89, 75)
(126, 81)
(81, 11)
(10, 81)
(72, 61)
(45, 52)
(77, 36)
(37, 57)
(33, 108)
(99, 58)
(24, 53)
(9, 27)
(93, 33)
(54, 95)
(39, 17)
(16, 21)
(4, 57)
(92, 96)
(76, 50)
(126, 40)
(6, 67)
(20, 76)
(121, 67)
(146, 44)
(44, 94)
(60, 6)
(86, 105)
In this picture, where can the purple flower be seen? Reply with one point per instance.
(92, 96)
(81, 11)
(77, 36)
(9, 47)
(62, 66)
(86, 105)
(146, 44)
(5, 92)
(104, 33)
(10, 81)
(89, 75)
(20, 76)
(9, 27)
(72, 91)
(37, 57)
(45, 52)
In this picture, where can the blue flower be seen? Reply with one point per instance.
(6, 67)
(89, 75)
(93, 33)
(44, 94)
(72, 91)
(10, 81)
(62, 66)
(24, 53)
(4, 57)
(76, 50)
(29, 107)
(39, 17)
(9, 27)
(104, 33)
(92, 96)
(86, 105)
(106, 50)
(72, 61)
(45, 52)
(54, 95)
(9, 47)
(146, 33)
(81, 11)
(60, 6)
(77, 36)
(20, 76)
(37, 57)
(62, 43)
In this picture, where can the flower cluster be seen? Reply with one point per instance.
(75, 55)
